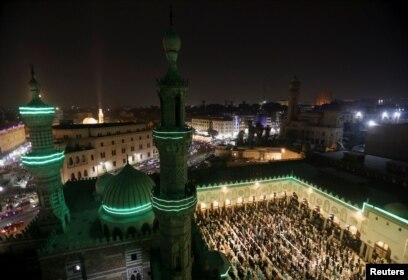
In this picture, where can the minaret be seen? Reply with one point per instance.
(174, 200)
(294, 86)
(45, 162)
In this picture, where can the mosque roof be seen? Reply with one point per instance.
(128, 192)
(102, 181)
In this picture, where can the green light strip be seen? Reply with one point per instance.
(36, 113)
(177, 208)
(171, 201)
(173, 138)
(42, 157)
(36, 110)
(41, 162)
(385, 212)
(226, 273)
(172, 132)
(127, 211)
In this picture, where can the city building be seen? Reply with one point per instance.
(225, 127)
(92, 149)
(12, 137)
(130, 225)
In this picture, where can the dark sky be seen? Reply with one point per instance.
(231, 50)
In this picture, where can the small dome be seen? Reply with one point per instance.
(171, 41)
(128, 192)
(89, 121)
(101, 182)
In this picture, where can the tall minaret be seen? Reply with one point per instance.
(174, 201)
(45, 162)
(294, 86)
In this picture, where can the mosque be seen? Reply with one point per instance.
(170, 225)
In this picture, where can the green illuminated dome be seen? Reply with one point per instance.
(171, 41)
(128, 193)
(101, 183)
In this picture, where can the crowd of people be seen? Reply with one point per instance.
(277, 240)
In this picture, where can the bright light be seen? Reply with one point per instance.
(359, 115)
(1, 189)
(77, 267)
(397, 115)
(384, 115)
(282, 150)
(371, 123)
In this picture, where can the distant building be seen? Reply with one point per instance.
(92, 149)
(388, 140)
(224, 126)
(11, 137)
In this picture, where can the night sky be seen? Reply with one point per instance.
(231, 50)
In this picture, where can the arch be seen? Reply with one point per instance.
(79, 175)
(117, 233)
(145, 228)
(83, 158)
(70, 161)
(72, 176)
(85, 173)
(77, 159)
(131, 231)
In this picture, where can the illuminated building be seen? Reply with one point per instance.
(44, 161)
(92, 149)
(11, 138)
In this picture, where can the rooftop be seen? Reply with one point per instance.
(97, 125)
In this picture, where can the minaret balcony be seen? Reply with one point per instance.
(172, 134)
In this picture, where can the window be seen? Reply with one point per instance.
(113, 142)
(123, 140)
(92, 157)
(103, 155)
(123, 150)
(140, 137)
(133, 257)
(77, 159)
(124, 161)
(141, 156)
(147, 136)
(132, 148)
(86, 173)
(113, 152)
(148, 145)
(140, 146)
(93, 169)
(101, 144)
(71, 162)
(131, 139)
(114, 163)
(148, 154)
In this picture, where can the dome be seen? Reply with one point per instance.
(128, 193)
(101, 182)
(89, 120)
(171, 41)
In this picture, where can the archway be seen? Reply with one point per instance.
(145, 228)
(117, 233)
(79, 175)
(131, 231)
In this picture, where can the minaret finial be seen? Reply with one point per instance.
(171, 15)
(32, 71)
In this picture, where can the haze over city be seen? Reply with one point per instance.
(109, 52)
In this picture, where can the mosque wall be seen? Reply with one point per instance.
(374, 225)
